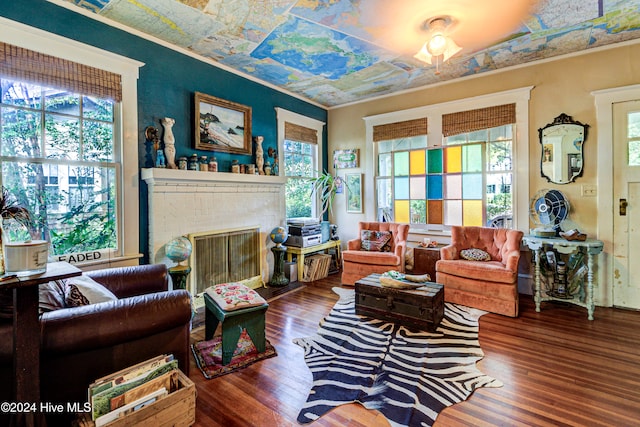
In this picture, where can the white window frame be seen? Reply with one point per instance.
(520, 97)
(283, 116)
(125, 130)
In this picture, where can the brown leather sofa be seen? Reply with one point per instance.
(358, 263)
(488, 285)
(83, 343)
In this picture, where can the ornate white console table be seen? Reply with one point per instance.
(590, 246)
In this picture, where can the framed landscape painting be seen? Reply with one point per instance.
(222, 125)
(354, 192)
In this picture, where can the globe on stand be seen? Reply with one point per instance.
(278, 236)
(178, 250)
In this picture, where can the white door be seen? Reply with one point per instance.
(626, 197)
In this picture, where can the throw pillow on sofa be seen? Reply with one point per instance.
(83, 290)
(474, 254)
(375, 241)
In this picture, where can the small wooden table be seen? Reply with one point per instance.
(26, 341)
(301, 252)
(425, 258)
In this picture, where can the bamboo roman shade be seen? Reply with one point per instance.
(482, 118)
(299, 133)
(39, 68)
(399, 130)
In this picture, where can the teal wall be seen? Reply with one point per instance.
(166, 85)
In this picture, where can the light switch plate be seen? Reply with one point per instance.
(589, 190)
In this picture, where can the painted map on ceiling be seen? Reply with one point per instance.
(334, 52)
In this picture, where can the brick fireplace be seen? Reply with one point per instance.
(186, 202)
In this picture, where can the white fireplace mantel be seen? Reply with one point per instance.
(184, 202)
(188, 177)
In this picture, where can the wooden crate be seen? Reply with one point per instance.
(176, 409)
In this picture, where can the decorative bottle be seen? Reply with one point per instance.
(213, 164)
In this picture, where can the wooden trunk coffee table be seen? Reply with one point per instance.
(420, 308)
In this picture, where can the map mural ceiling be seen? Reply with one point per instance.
(335, 52)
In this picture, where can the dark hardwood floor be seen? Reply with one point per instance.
(558, 369)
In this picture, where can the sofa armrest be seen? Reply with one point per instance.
(448, 252)
(354, 245)
(136, 280)
(511, 260)
(400, 251)
(96, 326)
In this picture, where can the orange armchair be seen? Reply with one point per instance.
(488, 285)
(358, 262)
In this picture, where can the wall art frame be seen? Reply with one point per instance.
(353, 182)
(221, 125)
(346, 159)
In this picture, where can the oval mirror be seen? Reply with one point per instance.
(562, 149)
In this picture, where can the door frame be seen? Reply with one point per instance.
(604, 100)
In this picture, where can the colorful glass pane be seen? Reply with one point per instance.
(434, 187)
(417, 162)
(401, 163)
(434, 161)
(472, 213)
(418, 188)
(401, 188)
(453, 186)
(434, 212)
(401, 211)
(472, 158)
(453, 159)
(453, 212)
(472, 186)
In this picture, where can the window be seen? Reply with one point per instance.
(300, 139)
(57, 158)
(62, 152)
(458, 170)
(299, 162)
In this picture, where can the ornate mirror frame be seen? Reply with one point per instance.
(562, 156)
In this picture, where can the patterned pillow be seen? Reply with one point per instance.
(233, 296)
(475, 255)
(81, 289)
(375, 241)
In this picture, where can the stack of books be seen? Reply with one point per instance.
(316, 267)
(131, 389)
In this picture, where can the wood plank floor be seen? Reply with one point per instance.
(559, 369)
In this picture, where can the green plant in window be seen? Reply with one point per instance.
(325, 187)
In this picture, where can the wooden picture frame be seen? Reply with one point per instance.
(353, 182)
(221, 125)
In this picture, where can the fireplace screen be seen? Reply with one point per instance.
(224, 256)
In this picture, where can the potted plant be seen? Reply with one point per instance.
(325, 186)
(10, 209)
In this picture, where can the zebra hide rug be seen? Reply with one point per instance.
(409, 376)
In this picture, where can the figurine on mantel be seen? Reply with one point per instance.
(259, 154)
(169, 142)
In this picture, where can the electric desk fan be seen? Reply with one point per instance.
(548, 208)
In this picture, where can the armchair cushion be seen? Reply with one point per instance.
(474, 254)
(375, 241)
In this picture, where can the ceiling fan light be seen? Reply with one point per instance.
(451, 49)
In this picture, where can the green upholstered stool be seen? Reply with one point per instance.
(251, 318)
